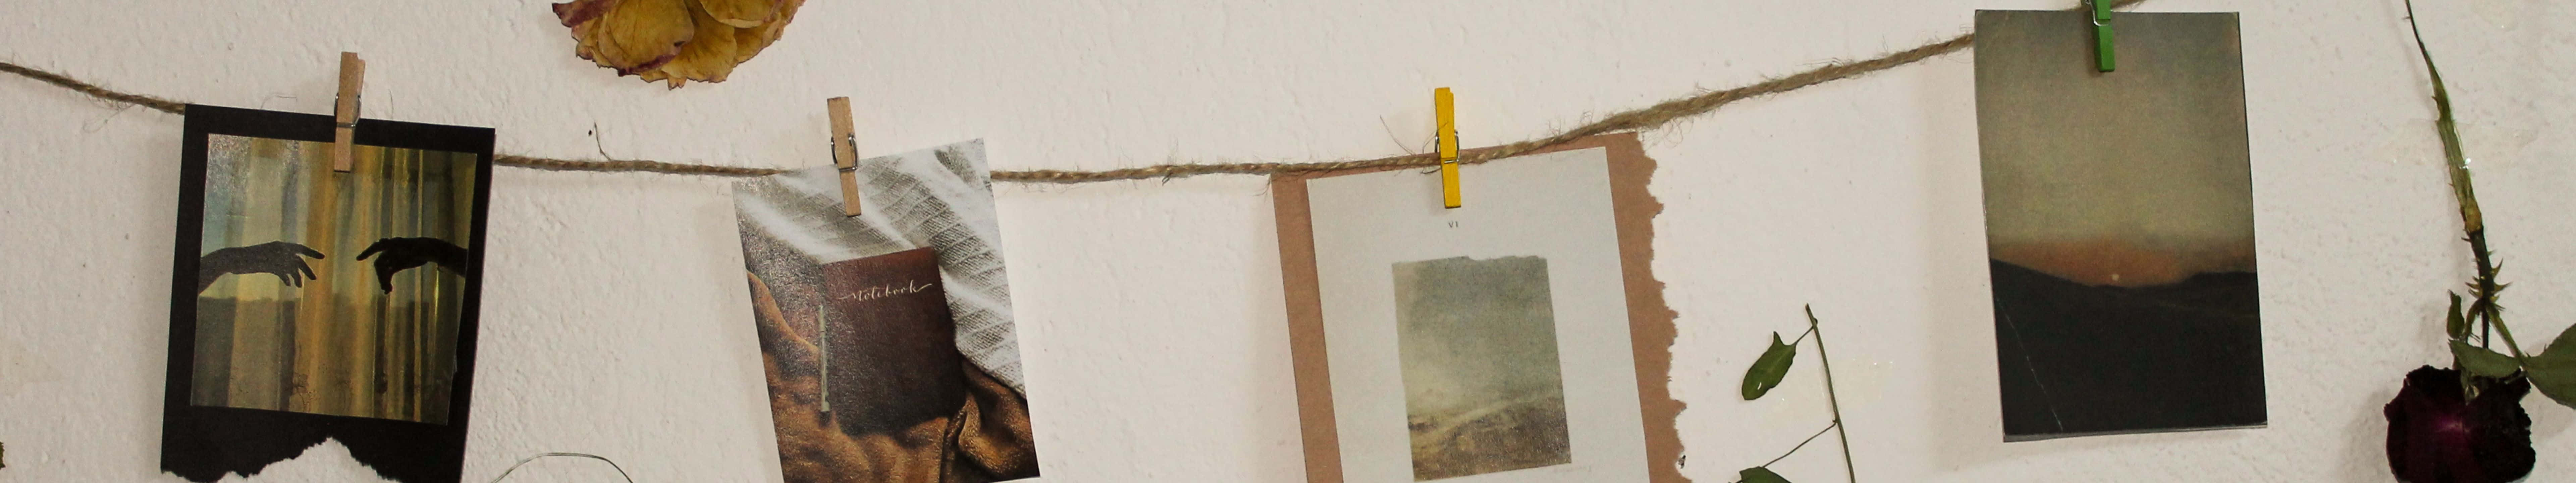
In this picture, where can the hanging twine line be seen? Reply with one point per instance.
(1643, 119)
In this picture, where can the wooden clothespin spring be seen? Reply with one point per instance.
(845, 153)
(344, 113)
(1444, 107)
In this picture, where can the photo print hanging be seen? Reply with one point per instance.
(887, 337)
(2119, 224)
(1521, 337)
(309, 304)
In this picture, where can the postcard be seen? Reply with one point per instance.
(888, 339)
(311, 304)
(2119, 224)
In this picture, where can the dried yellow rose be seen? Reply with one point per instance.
(674, 41)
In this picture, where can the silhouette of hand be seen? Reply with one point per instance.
(393, 255)
(277, 258)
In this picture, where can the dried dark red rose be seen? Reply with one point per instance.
(2437, 434)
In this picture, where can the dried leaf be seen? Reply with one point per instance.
(2482, 362)
(1759, 474)
(2553, 372)
(1769, 369)
(739, 13)
(2458, 326)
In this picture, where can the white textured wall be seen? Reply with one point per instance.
(616, 321)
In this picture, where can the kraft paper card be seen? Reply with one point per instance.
(1520, 338)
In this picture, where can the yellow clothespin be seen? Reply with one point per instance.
(845, 153)
(1445, 107)
(344, 115)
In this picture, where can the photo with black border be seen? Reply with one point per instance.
(310, 305)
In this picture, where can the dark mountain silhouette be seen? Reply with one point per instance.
(2077, 359)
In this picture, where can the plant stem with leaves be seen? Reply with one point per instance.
(1767, 372)
(2553, 372)
(2484, 311)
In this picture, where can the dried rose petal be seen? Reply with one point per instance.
(2437, 435)
(739, 13)
(628, 35)
(578, 11)
(709, 57)
(749, 41)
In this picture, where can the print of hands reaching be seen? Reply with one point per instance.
(283, 259)
(286, 260)
(393, 255)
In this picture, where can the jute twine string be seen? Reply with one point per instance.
(631, 165)
(93, 90)
(1644, 119)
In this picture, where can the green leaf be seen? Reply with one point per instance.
(1769, 369)
(1759, 474)
(2483, 362)
(2554, 370)
(2459, 325)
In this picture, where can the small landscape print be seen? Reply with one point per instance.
(1483, 391)
(2119, 225)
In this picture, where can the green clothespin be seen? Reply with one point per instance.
(2102, 54)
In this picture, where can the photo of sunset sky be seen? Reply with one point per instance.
(2119, 224)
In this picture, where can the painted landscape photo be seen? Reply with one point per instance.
(2119, 225)
(331, 293)
(1483, 391)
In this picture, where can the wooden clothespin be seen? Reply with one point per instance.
(1445, 108)
(845, 153)
(2102, 55)
(344, 115)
